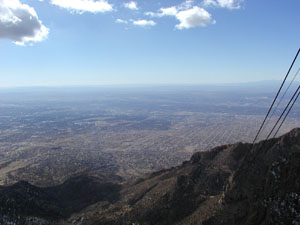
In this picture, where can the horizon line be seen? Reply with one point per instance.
(135, 84)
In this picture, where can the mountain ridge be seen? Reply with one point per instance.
(229, 184)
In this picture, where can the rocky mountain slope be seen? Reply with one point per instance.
(231, 184)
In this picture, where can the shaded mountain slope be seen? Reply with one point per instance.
(173, 196)
(23, 203)
(231, 184)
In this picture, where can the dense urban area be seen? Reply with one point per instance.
(51, 134)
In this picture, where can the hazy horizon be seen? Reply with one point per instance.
(138, 85)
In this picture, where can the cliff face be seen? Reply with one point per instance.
(231, 184)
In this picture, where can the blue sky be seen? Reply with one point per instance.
(89, 42)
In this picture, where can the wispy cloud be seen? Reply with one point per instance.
(229, 4)
(131, 5)
(81, 6)
(171, 11)
(20, 23)
(121, 21)
(143, 23)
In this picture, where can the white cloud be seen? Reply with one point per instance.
(20, 23)
(193, 17)
(152, 14)
(144, 23)
(229, 4)
(171, 11)
(187, 4)
(121, 21)
(188, 15)
(210, 3)
(81, 6)
(131, 5)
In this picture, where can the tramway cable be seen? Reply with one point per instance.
(287, 106)
(276, 97)
(282, 97)
(287, 114)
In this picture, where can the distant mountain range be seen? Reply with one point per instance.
(231, 184)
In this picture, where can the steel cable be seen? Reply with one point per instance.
(276, 97)
(283, 112)
(286, 114)
(282, 97)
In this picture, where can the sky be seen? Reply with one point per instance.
(107, 42)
